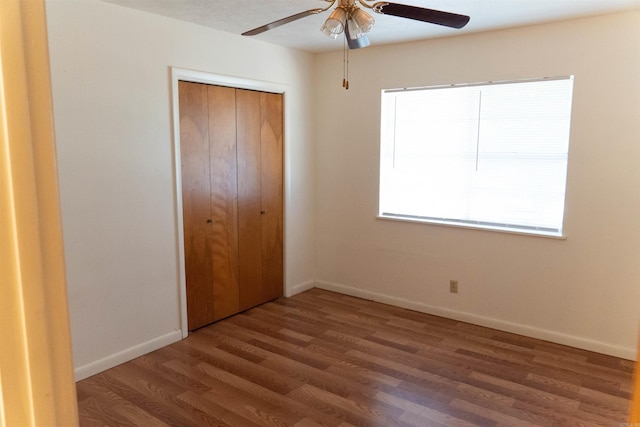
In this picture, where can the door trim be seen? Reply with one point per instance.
(238, 83)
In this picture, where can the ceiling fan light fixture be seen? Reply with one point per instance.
(364, 21)
(335, 23)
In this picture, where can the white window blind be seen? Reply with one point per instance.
(484, 155)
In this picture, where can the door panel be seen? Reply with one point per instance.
(224, 211)
(272, 195)
(194, 153)
(249, 200)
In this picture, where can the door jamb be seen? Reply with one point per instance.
(178, 74)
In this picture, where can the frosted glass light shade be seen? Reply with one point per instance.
(364, 21)
(354, 32)
(358, 41)
(334, 24)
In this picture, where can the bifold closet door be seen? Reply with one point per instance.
(272, 192)
(232, 195)
(209, 198)
(196, 200)
(224, 195)
(260, 196)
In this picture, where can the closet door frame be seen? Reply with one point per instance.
(178, 74)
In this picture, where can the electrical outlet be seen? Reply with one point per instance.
(453, 286)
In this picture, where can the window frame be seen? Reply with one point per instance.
(561, 233)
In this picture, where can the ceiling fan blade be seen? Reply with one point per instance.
(282, 21)
(438, 17)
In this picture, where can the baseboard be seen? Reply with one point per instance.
(301, 287)
(516, 328)
(116, 359)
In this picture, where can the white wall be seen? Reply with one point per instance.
(582, 291)
(112, 107)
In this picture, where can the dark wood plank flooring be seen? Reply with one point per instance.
(325, 359)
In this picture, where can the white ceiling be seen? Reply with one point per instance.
(238, 16)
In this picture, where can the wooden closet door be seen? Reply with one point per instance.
(224, 200)
(249, 198)
(231, 150)
(196, 196)
(260, 196)
(209, 193)
(271, 136)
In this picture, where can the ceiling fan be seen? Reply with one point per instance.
(355, 23)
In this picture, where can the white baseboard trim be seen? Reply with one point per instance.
(300, 287)
(116, 359)
(516, 328)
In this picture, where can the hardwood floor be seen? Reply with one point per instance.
(325, 359)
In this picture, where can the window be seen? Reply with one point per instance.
(489, 155)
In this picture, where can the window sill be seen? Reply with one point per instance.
(474, 227)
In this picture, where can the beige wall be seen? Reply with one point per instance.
(112, 106)
(582, 291)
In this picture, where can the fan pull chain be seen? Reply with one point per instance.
(345, 65)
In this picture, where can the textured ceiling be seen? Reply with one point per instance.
(238, 16)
